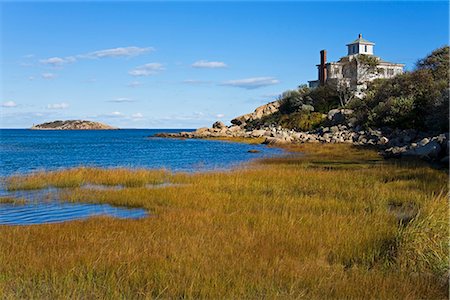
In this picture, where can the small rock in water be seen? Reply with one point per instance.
(253, 151)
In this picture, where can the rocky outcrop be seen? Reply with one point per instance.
(391, 143)
(340, 116)
(339, 129)
(219, 125)
(72, 125)
(259, 112)
(431, 148)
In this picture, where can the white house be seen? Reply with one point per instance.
(353, 70)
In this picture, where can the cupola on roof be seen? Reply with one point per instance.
(360, 40)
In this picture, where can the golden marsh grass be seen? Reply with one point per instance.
(326, 223)
(12, 200)
(78, 176)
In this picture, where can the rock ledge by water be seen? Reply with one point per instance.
(72, 125)
(432, 147)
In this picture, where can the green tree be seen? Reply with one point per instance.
(417, 99)
(367, 67)
(437, 62)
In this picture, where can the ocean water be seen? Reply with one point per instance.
(25, 151)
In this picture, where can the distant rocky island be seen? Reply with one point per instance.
(72, 125)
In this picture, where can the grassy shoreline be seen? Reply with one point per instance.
(337, 222)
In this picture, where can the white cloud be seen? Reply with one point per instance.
(252, 83)
(113, 52)
(198, 114)
(220, 116)
(48, 75)
(137, 116)
(57, 61)
(25, 64)
(194, 116)
(134, 84)
(121, 100)
(9, 104)
(62, 105)
(195, 81)
(118, 52)
(115, 114)
(147, 69)
(209, 64)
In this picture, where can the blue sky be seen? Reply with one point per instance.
(187, 64)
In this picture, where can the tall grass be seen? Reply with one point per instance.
(78, 176)
(12, 200)
(325, 223)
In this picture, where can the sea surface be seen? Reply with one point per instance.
(24, 151)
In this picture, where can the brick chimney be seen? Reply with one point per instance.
(323, 67)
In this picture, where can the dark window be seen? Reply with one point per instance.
(365, 47)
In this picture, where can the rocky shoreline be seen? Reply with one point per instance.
(390, 142)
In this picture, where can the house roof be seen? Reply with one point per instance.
(383, 62)
(360, 40)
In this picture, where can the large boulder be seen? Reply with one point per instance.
(258, 133)
(202, 130)
(241, 120)
(339, 116)
(383, 140)
(424, 142)
(307, 107)
(429, 150)
(277, 141)
(219, 125)
(259, 112)
(234, 128)
(265, 110)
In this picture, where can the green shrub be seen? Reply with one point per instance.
(438, 117)
(394, 112)
(302, 121)
(437, 62)
(324, 98)
(417, 99)
(293, 100)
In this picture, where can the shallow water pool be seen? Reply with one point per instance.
(43, 207)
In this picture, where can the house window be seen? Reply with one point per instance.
(390, 72)
(354, 49)
(365, 48)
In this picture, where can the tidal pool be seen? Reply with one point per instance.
(43, 207)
